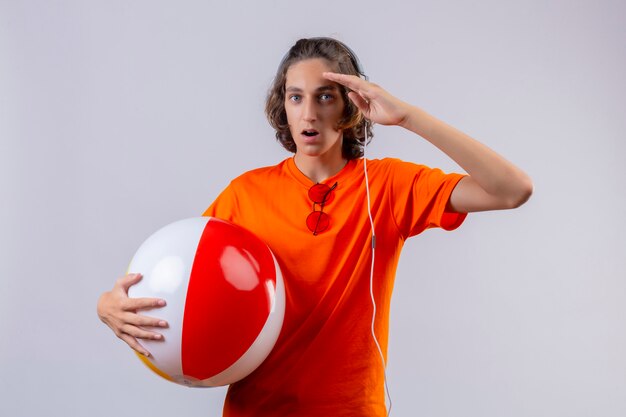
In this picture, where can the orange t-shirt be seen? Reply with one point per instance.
(325, 361)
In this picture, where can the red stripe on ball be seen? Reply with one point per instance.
(227, 300)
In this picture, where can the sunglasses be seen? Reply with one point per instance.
(318, 221)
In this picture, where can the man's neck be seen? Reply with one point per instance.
(317, 168)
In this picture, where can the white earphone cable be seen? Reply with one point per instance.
(369, 212)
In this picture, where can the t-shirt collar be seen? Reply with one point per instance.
(339, 177)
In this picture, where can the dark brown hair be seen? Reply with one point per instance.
(353, 123)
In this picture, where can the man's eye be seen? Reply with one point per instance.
(326, 97)
(294, 98)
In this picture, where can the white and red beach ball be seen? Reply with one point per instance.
(225, 300)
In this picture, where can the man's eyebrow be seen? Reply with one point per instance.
(323, 88)
(330, 87)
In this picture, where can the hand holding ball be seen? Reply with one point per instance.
(225, 300)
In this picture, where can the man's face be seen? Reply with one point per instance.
(314, 108)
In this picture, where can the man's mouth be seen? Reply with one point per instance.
(310, 133)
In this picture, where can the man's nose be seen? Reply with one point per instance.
(309, 113)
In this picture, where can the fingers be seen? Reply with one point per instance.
(354, 83)
(359, 101)
(362, 91)
(139, 333)
(127, 281)
(132, 330)
(134, 344)
(143, 321)
(134, 304)
(123, 284)
(351, 81)
(119, 312)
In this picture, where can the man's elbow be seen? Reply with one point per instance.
(522, 193)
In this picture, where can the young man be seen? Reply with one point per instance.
(313, 212)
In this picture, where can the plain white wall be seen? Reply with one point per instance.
(118, 117)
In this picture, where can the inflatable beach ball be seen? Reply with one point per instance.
(225, 300)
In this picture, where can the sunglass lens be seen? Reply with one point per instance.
(318, 192)
(317, 221)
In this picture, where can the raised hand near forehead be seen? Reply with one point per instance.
(375, 103)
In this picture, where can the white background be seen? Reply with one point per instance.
(118, 117)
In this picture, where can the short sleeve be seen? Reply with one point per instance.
(225, 206)
(419, 196)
